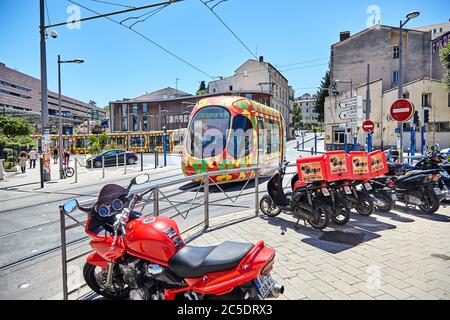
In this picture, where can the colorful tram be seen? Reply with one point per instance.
(227, 133)
(133, 141)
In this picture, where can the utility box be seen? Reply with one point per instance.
(337, 166)
(378, 163)
(311, 168)
(360, 165)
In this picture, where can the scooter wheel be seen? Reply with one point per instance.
(95, 280)
(321, 216)
(366, 205)
(433, 205)
(341, 215)
(268, 207)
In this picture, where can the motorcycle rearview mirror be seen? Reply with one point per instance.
(141, 179)
(70, 206)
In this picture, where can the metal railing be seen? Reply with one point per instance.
(165, 203)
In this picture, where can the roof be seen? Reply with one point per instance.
(414, 81)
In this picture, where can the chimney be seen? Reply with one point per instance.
(261, 59)
(344, 35)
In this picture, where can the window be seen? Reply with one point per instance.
(396, 52)
(426, 100)
(241, 140)
(145, 116)
(339, 137)
(249, 96)
(395, 77)
(273, 137)
(231, 88)
(208, 131)
(124, 117)
(135, 115)
(444, 127)
(137, 141)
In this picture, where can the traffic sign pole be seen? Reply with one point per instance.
(369, 142)
(401, 110)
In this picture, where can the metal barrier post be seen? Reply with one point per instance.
(125, 163)
(117, 160)
(142, 161)
(92, 164)
(315, 140)
(63, 252)
(156, 201)
(206, 200)
(256, 192)
(103, 167)
(312, 150)
(76, 170)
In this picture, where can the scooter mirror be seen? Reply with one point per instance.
(70, 206)
(141, 179)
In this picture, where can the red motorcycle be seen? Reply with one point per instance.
(145, 258)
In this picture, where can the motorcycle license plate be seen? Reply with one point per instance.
(325, 192)
(367, 186)
(347, 190)
(437, 191)
(264, 284)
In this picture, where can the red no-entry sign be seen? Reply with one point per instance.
(368, 126)
(402, 110)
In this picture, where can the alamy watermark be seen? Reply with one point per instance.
(374, 13)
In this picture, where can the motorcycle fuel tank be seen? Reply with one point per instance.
(154, 238)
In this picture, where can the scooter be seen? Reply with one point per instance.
(302, 204)
(145, 258)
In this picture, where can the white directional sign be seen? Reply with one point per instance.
(353, 102)
(351, 114)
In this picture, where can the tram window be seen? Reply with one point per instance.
(137, 141)
(208, 132)
(241, 140)
(273, 137)
(261, 135)
(120, 141)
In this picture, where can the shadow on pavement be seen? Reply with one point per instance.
(226, 187)
(417, 213)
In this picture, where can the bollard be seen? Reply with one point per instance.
(103, 167)
(256, 192)
(298, 145)
(312, 150)
(206, 200)
(125, 163)
(156, 159)
(303, 141)
(142, 161)
(92, 164)
(156, 201)
(117, 160)
(76, 170)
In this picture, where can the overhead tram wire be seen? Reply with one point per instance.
(146, 38)
(46, 9)
(226, 26)
(114, 4)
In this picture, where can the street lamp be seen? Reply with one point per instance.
(347, 81)
(409, 16)
(60, 151)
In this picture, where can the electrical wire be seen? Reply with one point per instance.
(146, 38)
(114, 4)
(46, 9)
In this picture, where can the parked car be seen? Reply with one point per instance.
(111, 157)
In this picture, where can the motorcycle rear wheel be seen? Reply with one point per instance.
(321, 216)
(341, 215)
(433, 205)
(388, 203)
(365, 206)
(268, 207)
(119, 292)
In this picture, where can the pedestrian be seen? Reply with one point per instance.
(66, 157)
(23, 161)
(33, 155)
(55, 155)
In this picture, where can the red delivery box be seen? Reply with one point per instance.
(360, 165)
(378, 163)
(311, 168)
(337, 166)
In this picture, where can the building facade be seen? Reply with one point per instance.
(166, 108)
(259, 76)
(20, 95)
(307, 104)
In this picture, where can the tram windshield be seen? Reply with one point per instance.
(208, 132)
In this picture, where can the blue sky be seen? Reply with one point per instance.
(120, 64)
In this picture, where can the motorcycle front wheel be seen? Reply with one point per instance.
(388, 203)
(321, 216)
(268, 207)
(365, 205)
(432, 204)
(95, 278)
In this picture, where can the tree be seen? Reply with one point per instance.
(297, 114)
(322, 93)
(14, 127)
(444, 53)
(202, 90)
(92, 103)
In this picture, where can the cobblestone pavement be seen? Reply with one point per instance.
(400, 255)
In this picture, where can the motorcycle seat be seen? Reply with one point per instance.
(194, 262)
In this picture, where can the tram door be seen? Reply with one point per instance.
(261, 142)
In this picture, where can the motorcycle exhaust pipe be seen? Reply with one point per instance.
(276, 290)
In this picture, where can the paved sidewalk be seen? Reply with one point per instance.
(400, 255)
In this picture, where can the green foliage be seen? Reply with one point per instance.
(203, 89)
(12, 127)
(444, 54)
(94, 144)
(322, 93)
(297, 113)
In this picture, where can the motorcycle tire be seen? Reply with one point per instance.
(365, 206)
(321, 216)
(434, 205)
(341, 215)
(268, 207)
(92, 281)
(388, 203)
